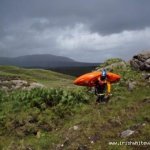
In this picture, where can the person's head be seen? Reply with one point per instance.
(103, 75)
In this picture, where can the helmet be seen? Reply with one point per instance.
(104, 74)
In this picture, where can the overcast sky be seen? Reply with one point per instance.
(85, 30)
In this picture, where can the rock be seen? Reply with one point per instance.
(131, 85)
(141, 62)
(38, 135)
(92, 142)
(35, 85)
(4, 88)
(75, 128)
(146, 76)
(147, 67)
(134, 64)
(127, 133)
(5, 82)
(14, 84)
(19, 82)
(143, 124)
(148, 61)
(121, 64)
(59, 147)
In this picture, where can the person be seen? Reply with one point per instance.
(102, 88)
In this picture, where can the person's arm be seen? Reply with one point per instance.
(108, 87)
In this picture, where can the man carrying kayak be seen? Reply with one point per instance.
(102, 88)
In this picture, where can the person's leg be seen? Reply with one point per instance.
(106, 98)
(98, 99)
(102, 98)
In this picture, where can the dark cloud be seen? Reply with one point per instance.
(104, 16)
(71, 28)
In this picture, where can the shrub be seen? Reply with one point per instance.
(44, 107)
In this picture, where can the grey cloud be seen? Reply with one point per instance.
(104, 16)
(34, 26)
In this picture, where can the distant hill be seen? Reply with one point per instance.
(43, 61)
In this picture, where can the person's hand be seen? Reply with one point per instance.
(109, 94)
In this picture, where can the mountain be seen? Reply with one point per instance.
(43, 61)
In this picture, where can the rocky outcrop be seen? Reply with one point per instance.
(121, 64)
(19, 84)
(111, 67)
(141, 61)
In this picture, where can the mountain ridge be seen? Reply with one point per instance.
(43, 61)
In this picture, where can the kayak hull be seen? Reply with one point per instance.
(89, 79)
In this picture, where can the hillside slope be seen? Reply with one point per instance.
(45, 77)
(64, 119)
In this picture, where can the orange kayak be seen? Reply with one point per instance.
(89, 79)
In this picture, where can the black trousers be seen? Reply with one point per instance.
(102, 98)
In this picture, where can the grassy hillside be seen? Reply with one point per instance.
(63, 119)
(48, 78)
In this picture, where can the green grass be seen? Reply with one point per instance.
(46, 77)
(45, 118)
